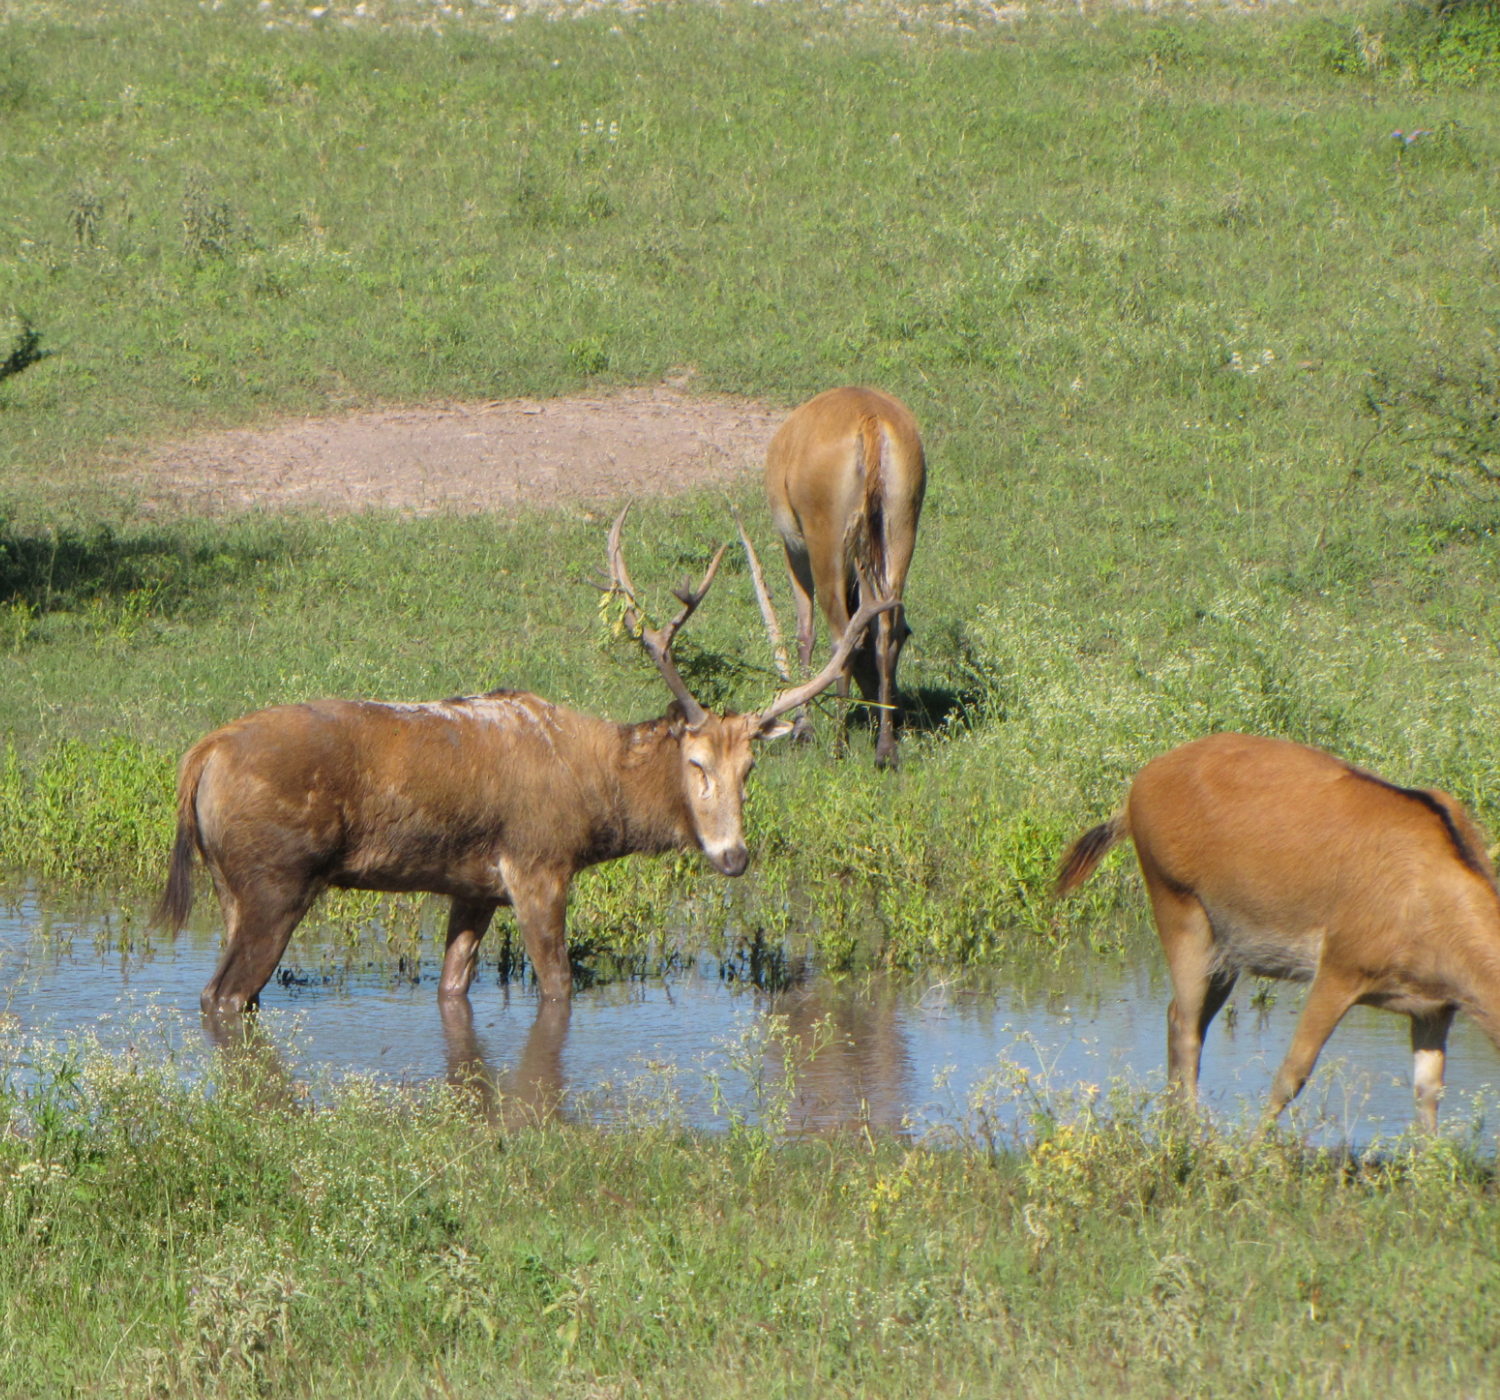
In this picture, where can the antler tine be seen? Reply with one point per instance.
(690, 598)
(763, 597)
(619, 576)
(869, 610)
(658, 642)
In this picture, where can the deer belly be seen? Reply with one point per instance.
(466, 876)
(1250, 945)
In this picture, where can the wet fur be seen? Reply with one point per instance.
(490, 800)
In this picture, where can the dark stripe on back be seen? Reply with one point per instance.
(1461, 847)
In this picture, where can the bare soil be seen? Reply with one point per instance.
(502, 456)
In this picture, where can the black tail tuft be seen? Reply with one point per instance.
(1084, 855)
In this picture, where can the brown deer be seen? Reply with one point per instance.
(488, 799)
(845, 475)
(1266, 857)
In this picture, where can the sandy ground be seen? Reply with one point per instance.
(501, 456)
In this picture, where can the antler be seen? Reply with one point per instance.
(763, 597)
(658, 641)
(870, 608)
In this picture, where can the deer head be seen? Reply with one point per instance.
(716, 750)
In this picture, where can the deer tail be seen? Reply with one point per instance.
(177, 899)
(864, 535)
(875, 463)
(1084, 855)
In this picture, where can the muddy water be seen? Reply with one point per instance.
(894, 1051)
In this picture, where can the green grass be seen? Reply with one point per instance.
(1069, 243)
(171, 1235)
(1198, 349)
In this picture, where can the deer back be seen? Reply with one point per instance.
(1298, 857)
(411, 796)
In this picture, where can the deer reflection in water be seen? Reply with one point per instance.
(251, 1062)
(854, 1070)
(843, 1041)
(530, 1093)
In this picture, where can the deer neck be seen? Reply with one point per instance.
(653, 814)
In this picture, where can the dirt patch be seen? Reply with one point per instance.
(500, 456)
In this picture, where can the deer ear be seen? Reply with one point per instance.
(776, 729)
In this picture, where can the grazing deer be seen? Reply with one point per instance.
(845, 475)
(1266, 857)
(488, 799)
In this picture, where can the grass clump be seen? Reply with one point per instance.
(88, 812)
(171, 1232)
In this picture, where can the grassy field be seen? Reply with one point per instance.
(1205, 360)
(1203, 355)
(167, 1235)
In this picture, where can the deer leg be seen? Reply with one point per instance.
(841, 733)
(1429, 1046)
(468, 921)
(258, 925)
(799, 567)
(832, 588)
(1199, 989)
(885, 658)
(540, 898)
(1330, 996)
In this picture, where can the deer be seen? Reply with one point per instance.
(1264, 856)
(491, 800)
(845, 475)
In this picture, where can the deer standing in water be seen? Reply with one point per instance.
(488, 799)
(845, 474)
(1266, 857)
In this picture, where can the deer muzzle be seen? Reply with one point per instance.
(729, 860)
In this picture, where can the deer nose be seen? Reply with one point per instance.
(733, 861)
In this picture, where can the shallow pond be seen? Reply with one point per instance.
(893, 1050)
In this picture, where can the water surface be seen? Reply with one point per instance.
(894, 1050)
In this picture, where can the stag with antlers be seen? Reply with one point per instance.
(489, 799)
